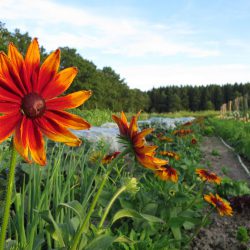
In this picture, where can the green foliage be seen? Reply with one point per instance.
(234, 132)
(242, 235)
(215, 152)
(231, 188)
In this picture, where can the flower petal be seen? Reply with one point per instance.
(145, 149)
(122, 123)
(69, 101)
(8, 107)
(61, 83)
(68, 120)
(7, 95)
(18, 63)
(32, 62)
(56, 132)
(8, 124)
(36, 143)
(9, 76)
(48, 70)
(138, 139)
(150, 162)
(133, 128)
(20, 139)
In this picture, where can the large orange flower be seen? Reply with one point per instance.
(223, 207)
(29, 102)
(136, 141)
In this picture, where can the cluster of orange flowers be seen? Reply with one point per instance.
(170, 154)
(182, 132)
(222, 206)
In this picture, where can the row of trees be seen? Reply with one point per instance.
(110, 91)
(173, 98)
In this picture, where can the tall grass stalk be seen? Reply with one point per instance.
(11, 180)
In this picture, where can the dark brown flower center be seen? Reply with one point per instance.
(33, 105)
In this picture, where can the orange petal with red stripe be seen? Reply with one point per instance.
(36, 143)
(61, 83)
(67, 120)
(9, 76)
(8, 124)
(69, 101)
(145, 149)
(32, 62)
(138, 139)
(20, 139)
(48, 70)
(122, 123)
(17, 61)
(57, 132)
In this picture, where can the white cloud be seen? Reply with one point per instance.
(144, 77)
(59, 25)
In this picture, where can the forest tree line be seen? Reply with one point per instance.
(110, 91)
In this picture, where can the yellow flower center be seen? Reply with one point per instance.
(33, 105)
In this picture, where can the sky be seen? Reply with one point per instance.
(150, 43)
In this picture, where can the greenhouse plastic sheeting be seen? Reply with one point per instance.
(108, 131)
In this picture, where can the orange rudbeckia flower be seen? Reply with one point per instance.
(108, 158)
(205, 175)
(182, 132)
(170, 154)
(166, 173)
(222, 206)
(136, 141)
(29, 102)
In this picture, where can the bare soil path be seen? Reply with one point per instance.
(222, 160)
(221, 233)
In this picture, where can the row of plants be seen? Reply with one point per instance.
(234, 132)
(137, 208)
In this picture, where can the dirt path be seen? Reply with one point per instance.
(222, 160)
(221, 233)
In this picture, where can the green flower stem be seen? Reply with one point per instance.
(116, 195)
(196, 197)
(79, 232)
(204, 219)
(10, 184)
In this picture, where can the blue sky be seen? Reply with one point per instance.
(149, 43)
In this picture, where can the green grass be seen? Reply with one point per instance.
(97, 117)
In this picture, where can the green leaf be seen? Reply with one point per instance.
(176, 232)
(151, 218)
(102, 242)
(123, 239)
(134, 214)
(125, 213)
(56, 231)
(76, 206)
